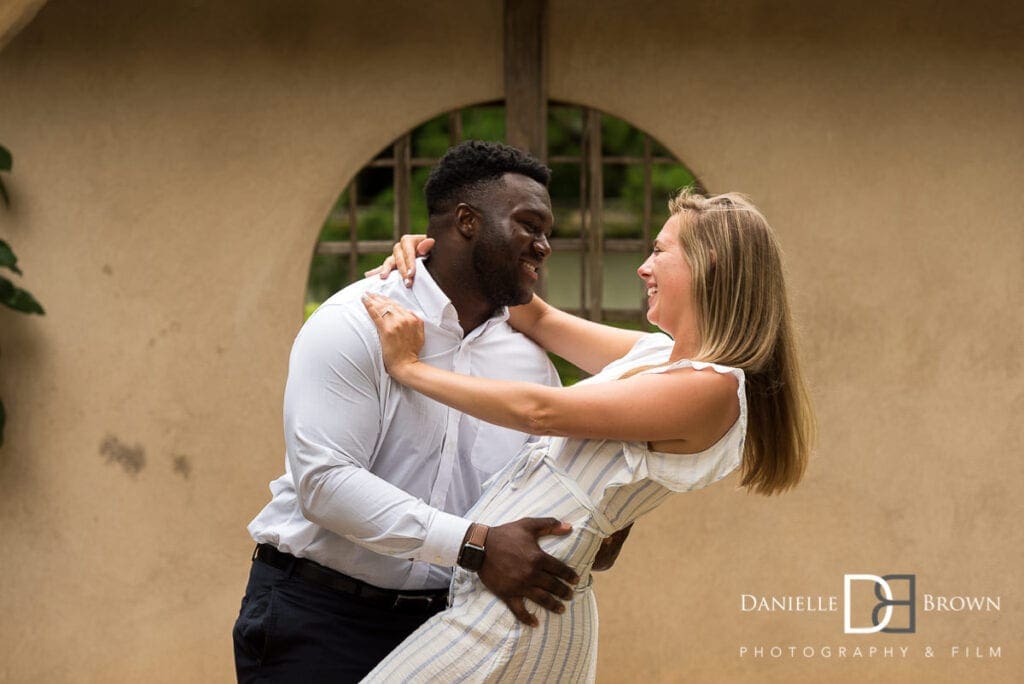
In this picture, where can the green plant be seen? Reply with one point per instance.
(11, 295)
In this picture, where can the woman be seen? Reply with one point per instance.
(663, 413)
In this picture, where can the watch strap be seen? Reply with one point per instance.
(477, 535)
(471, 555)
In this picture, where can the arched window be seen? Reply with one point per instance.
(609, 189)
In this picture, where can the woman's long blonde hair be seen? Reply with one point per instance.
(743, 321)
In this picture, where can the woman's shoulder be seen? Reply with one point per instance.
(719, 369)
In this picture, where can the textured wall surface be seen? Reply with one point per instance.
(173, 165)
(885, 146)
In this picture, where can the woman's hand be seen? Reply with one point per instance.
(400, 330)
(403, 257)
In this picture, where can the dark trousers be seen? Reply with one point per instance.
(290, 630)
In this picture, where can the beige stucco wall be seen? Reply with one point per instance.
(173, 165)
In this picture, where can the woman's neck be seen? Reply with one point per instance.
(687, 343)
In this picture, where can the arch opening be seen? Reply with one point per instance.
(609, 190)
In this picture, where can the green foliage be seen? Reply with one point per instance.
(666, 181)
(619, 138)
(327, 270)
(6, 163)
(11, 295)
(568, 373)
(565, 131)
(17, 298)
(484, 123)
(7, 258)
(431, 139)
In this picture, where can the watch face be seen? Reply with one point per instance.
(471, 558)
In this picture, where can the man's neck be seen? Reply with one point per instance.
(471, 307)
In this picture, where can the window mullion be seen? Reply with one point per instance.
(646, 221)
(595, 223)
(353, 230)
(402, 181)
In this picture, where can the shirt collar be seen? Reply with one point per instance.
(439, 310)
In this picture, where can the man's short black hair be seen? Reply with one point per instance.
(469, 165)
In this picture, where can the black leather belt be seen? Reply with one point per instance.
(411, 602)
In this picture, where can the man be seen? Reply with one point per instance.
(355, 548)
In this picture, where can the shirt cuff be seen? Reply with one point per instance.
(444, 539)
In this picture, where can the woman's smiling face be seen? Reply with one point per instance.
(667, 275)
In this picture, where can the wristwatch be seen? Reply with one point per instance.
(471, 557)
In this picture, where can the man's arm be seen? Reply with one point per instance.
(332, 426)
(332, 423)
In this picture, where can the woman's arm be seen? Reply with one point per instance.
(588, 345)
(693, 406)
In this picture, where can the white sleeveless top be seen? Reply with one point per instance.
(598, 486)
(678, 472)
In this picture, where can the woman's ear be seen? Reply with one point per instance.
(466, 220)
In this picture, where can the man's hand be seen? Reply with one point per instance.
(515, 568)
(610, 547)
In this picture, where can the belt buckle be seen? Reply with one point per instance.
(428, 601)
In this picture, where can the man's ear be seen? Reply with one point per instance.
(466, 220)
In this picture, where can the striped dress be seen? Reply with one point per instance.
(598, 486)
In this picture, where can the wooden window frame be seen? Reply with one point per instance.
(591, 245)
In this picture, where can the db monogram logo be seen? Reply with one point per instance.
(889, 600)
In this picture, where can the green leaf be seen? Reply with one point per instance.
(7, 257)
(18, 299)
(6, 163)
(3, 421)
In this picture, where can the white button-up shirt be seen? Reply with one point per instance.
(378, 476)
